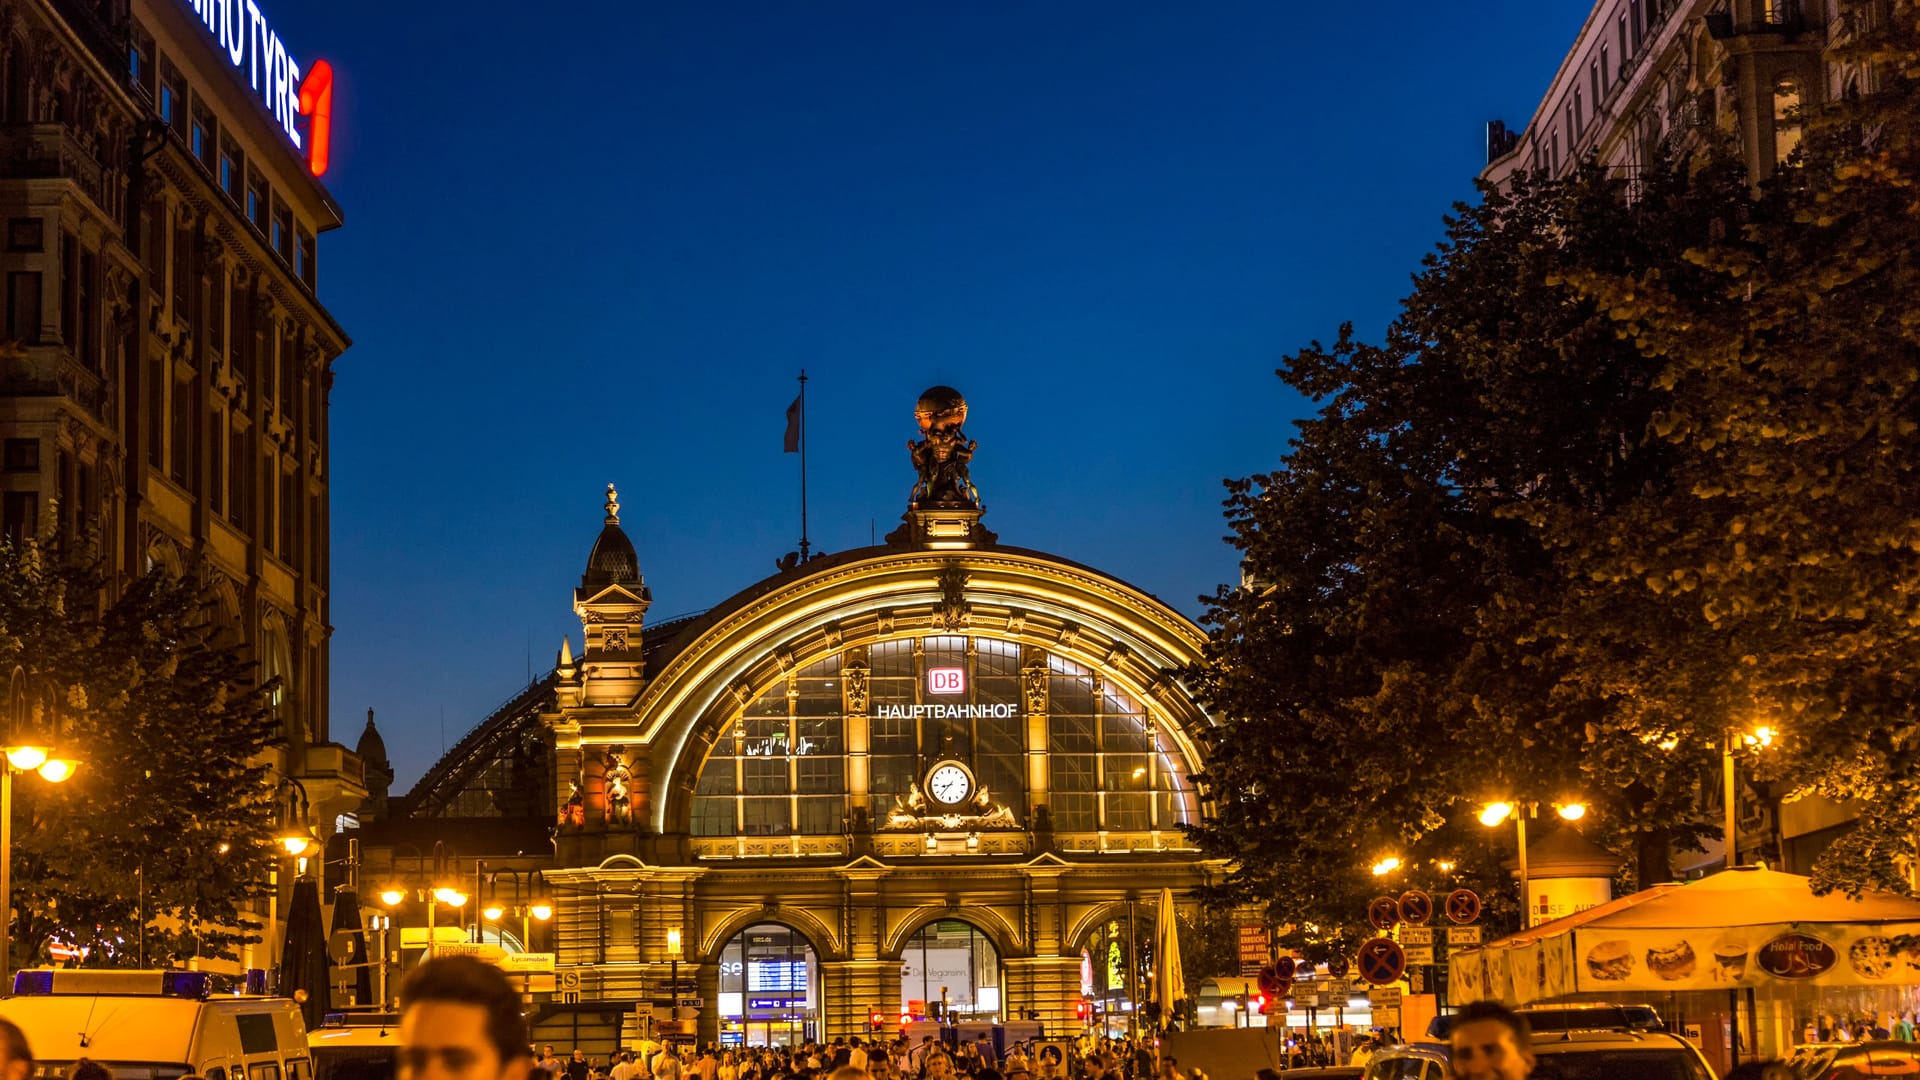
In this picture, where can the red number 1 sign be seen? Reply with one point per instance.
(316, 103)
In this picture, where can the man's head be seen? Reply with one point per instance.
(16, 1057)
(579, 1055)
(460, 1020)
(1490, 1042)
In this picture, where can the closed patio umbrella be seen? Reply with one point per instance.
(1169, 986)
(304, 964)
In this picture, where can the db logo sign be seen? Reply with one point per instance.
(947, 680)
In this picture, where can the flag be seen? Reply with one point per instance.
(791, 444)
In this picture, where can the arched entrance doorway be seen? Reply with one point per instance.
(949, 968)
(1116, 965)
(769, 988)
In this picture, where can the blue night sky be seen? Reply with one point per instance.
(597, 242)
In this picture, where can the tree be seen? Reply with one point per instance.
(162, 835)
(1634, 466)
(1386, 670)
(1788, 544)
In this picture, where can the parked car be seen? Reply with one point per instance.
(1618, 1055)
(1408, 1063)
(1598, 1015)
(1845, 1061)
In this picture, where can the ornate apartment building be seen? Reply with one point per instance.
(164, 358)
(1646, 72)
(939, 774)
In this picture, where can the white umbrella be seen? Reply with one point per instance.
(1168, 985)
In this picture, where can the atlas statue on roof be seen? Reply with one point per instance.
(943, 452)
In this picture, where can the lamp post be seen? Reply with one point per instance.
(1759, 738)
(673, 980)
(30, 746)
(1495, 813)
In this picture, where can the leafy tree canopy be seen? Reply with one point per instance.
(169, 816)
(1633, 466)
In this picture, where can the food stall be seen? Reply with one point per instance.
(1746, 954)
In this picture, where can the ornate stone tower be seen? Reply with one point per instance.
(612, 602)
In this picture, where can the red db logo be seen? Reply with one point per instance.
(946, 680)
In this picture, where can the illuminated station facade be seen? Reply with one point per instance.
(941, 775)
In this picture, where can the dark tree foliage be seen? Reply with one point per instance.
(168, 820)
(1633, 467)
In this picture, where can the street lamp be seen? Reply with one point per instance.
(30, 747)
(673, 980)
(1494, 814)
(1386, 866)
(1758, 739)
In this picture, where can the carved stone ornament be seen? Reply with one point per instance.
(1033, 684)
(853, 678)
(954, 609)
(615, 639)
(619, 785)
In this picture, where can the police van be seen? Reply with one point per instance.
(155, 1025)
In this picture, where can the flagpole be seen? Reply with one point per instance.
(803, 465)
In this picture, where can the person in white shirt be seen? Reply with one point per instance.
(857, 1058)
(666, 1066)
(622, 1067)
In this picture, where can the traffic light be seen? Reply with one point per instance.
(876, 1020)
(1081, 1009)
(1260, 1004)
(905, 1019)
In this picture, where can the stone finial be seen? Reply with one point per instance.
(613, 506)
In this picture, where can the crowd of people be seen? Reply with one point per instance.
(898, 1058)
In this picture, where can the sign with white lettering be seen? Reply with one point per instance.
(947, 680)
(1416, 935)
(257, 54)
(1002, 711)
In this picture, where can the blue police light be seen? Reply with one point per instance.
(33, 982)
(256, 982)
(194, 985)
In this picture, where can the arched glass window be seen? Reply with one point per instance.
(783, 767)
(954, 957)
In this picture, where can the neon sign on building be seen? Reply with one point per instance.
(241, 30)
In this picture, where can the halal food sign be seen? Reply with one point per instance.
(243, 33)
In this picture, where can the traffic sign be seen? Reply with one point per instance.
(1419, 954)
(1463, 905)
(1284, 967)
(1384, 995)
(1463, 935)
(1416, 935)
(690, 1003)
(1387, 1017)
(1416, 907)
(1383, 912)
(1270, 980)
(1381, 961)
(1337, 965)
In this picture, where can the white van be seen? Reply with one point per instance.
(356, 1046)
(155, 1025)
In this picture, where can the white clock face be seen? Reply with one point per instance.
(949, 784)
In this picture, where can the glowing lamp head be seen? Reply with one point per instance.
(1495, 812)
(1386, 866)
(450, 896)
(1572, 811)
(492, 912)
(58, 770)
(673, 941)
(295, 842)
(393, 896)
(27, 758)
(1445, 866)
(542, 911)
(1762, 737)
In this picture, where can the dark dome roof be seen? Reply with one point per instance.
(371, 748)
(613, 560)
